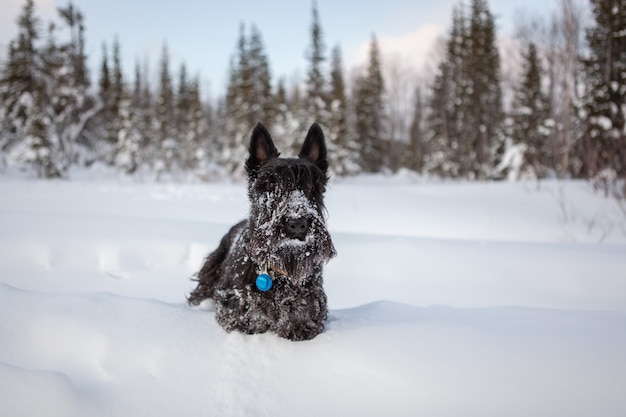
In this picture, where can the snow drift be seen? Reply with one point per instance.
(446, 299)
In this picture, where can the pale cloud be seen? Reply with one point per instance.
(411, 48)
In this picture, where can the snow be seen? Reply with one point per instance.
(446, 299)
(603, 122)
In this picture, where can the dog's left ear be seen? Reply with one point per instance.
(314, 147)
(261, 149)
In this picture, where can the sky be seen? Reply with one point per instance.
(203, 34)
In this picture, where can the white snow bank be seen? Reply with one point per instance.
(103, 354)
(446, 299)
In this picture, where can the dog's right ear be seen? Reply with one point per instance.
(261, 150)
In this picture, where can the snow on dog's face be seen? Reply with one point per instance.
(286, 226)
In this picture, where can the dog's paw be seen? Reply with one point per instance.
(300, 331)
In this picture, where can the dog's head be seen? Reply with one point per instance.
(287, 225)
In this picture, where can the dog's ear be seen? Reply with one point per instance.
(314, 147)
(261, 149)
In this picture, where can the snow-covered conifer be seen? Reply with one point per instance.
(605, 99)
(369, 112)
(530, 115)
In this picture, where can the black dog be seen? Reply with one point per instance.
(266, 273)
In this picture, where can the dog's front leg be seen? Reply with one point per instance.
(302, 317)
(235, 310)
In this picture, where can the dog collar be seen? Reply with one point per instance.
(264, 282)
(264, 279)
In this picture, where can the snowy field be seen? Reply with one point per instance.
(447, 299)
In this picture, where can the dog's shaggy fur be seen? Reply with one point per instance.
(285, 235)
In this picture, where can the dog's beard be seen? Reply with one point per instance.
(298, 258)
(270, 247)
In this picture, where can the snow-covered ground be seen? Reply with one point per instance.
(447, 299)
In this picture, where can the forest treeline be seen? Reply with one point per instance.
(564, 115)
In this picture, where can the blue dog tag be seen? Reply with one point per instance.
(264, 282)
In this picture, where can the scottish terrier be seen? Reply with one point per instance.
(266, 273)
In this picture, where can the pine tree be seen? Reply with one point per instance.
(236, 125)
(39, 150)
(104, 138)
(104, 81)
(117, 79)
(483, 124)
(369, 110)
(249, 99)
(21, 73)
(22, 91)
(466, 101)
(182, 105)
(317, 109)
(144, 110)
(165, 144)
(112, 91)
(74, 20)
(530, 115)
(281, 95)
(438, 159)
(110, 104)
(121, 122)
(263, 107)
(41, 131)
(71, 104)
(417, 149)
(448, 101)
(43, 88)
(197, 145)
(133, 125)
(191, 123)
(605, 99)
(290, 113)
(129, 138)
(343, 151)
(39, 143)
(137, 86)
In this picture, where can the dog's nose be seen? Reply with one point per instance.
(297, 228)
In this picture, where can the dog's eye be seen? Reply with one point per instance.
(266, 184)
